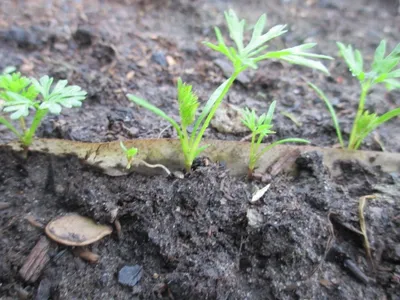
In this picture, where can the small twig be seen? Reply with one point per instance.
(162, 131)
(246, 138)
(364, 229)
(242, 242)
(328, 246)
(155, 166)
(356, 271)
(118, 228)
(35, 223)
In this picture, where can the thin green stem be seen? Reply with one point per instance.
(331, 110)
(199, 136)
(289, 140)
(253, 153)
(358, 144)
(28, 135)
(186, 148)
(10, 127)
(364, 91)
(22, 124)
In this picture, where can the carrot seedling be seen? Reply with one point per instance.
(242, 57)
(131, 153)
(382, 72)
(260, 127)
(20, 95)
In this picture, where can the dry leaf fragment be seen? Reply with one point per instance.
(75, 230)
(257, 195)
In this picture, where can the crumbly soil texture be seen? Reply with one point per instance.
(199, 237)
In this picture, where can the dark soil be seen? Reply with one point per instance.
(198, 237)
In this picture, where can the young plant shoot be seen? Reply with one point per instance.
(382, 72)
(131, 153)
(260, 128)
(242, 56)
(20, 95)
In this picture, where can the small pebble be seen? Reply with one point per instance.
(254, 218)
(178, 174)
(44, 289)
(159, 58)
(130, 275)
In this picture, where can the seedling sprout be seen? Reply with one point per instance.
(19, 96)
(382, 71)
(131, 155)
(242, 57)
(260, 127)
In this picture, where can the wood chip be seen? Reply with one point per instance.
(86, 254)
(4, 205)
(36, 261)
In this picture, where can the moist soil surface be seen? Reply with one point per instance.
(199, 237)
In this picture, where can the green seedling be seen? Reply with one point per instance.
(242, 57)
(19, 96)
(131, 155)
(260, 127)
(382, 72)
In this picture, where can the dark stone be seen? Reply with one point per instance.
(44, 289)
(130, 275)
(159, 58)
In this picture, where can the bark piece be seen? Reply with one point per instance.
(36, 261)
